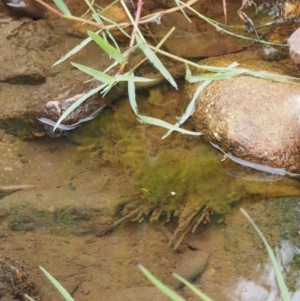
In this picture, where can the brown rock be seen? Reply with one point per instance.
(252, 119)
(196, 38)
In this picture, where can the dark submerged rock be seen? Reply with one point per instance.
(26, 8)
(14, 281)
(252, 119)
(273, 53)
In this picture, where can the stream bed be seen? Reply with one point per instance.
(112, 194)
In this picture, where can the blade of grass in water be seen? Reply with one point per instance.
(163, 288)
(190, 108)
(195, 290)
(77, 103)
(151, 120)
(279, 277)
(58, 286)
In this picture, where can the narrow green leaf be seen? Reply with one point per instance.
(126, 77)
(218, 76)
(109, 49)
(131, 95)
(77, 103)
(151, 120)
(182, 11)
(102, 77)
(76, 49)
(153, 58)
(166, 125)
(279, 277)
(163, 288)
(116, 24)
(58, 286)
(29, 298)
(193, 288)
(191, 107)
(62, 6)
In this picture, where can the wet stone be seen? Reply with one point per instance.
(252, 119)
(272, 53)
(33, 35)
(195, 39)
(20, 65)
(26, 8)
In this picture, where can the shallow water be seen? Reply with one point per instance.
(81, 183)
(115, 168)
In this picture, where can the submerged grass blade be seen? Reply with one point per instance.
(151, 120)
(163, 288)
(58, 286)
(195, 290)
(29, 298)
(279, 277)
(166, 125)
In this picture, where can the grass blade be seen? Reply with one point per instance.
(126, 77)
(151, 120)
(102, 77)
(29, 298)
(193, 288)
(191, 107)
(58, 286)
(77, 103)
(279, 277)
(76, 49)
(218, 76)
(152, 57)
(109, 49)
(131, 94)
(163, 288)
(62, 6)
(166, 125)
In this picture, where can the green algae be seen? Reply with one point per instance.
(173, 172)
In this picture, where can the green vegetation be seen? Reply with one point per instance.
(137, 41)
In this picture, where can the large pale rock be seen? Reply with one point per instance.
(294, 43)
(252, 119)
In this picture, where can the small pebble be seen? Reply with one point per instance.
(273, 53)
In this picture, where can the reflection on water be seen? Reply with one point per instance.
(262, 286)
